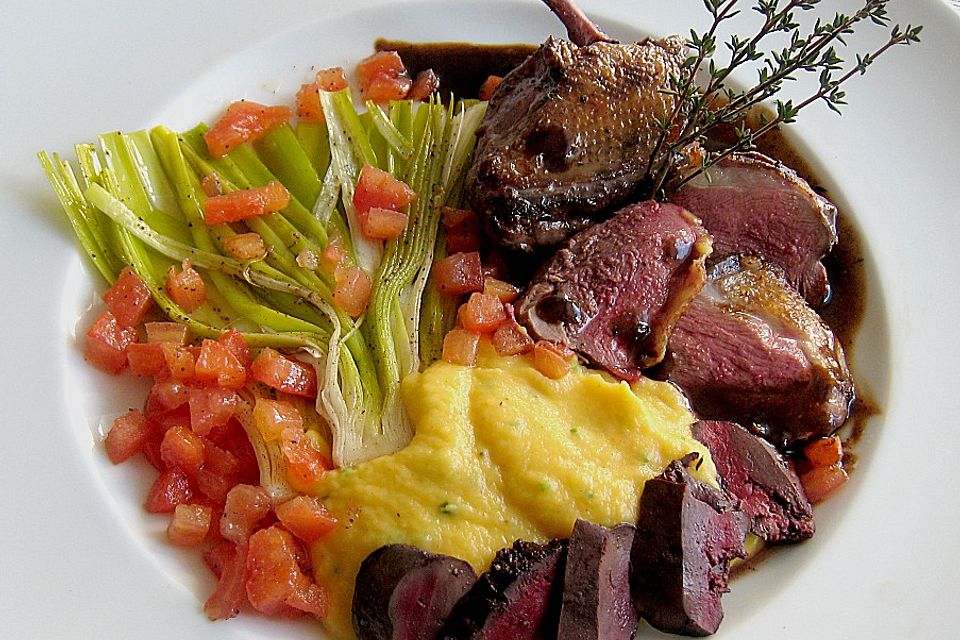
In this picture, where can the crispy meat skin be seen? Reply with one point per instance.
(517, 599)
(750, 350)
(614, 292)
(567, 137)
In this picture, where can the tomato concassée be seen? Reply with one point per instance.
(208, 474)
(190, 429)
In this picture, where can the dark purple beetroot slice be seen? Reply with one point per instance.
(596, 586)
(517, 599)
(680, 558)
(405, 593)
(761, 481)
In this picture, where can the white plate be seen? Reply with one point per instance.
(79, 559)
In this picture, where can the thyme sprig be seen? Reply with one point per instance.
(698, 109)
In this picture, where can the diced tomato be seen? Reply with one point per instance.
(820, 482)
(284, 374)
(460, 347)
(246, 246)
(308, 103)
(146, 358)
(463, 240)
(183, 449)
(172, 487)
(129, 299)
(213, 485)
(247, 203)
(168, 394)
(306, 518)
(452, 218)
(107, 342)
(824, 452)
(424, 85)
(305, 463)
(186, 287)
(217, 364)
(511, 339)
(275, 580)
(378, 188)
(273, 416)
(308, 97)
(308, 259)
(227, 599)
(180, 361)
(219, 555)
(246, 506)
(234, 439)
(382, 77)
(489, 86)
(312, 600)
(151, 451)
(464, 233)
(219, 472)
(235, 343)
(459, 273)
(503, 291)
(243, 122)
(351, 293)
(333, 257)
(126, 436)
(551, 359)
(172, 332)
(382, 224)
(189, 525)
(482, 313)
(219, 460)
(211, 185)
(211, 407)
(331, 79)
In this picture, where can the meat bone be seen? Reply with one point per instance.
(580, 29)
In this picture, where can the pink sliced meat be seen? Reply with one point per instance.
(752, 205)
(615, 291)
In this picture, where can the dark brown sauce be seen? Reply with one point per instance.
(846, 272)
(463, 67)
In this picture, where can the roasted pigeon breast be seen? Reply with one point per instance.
(568, 137)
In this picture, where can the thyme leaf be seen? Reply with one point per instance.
(701, 106)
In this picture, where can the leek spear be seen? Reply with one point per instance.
(140, 204)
